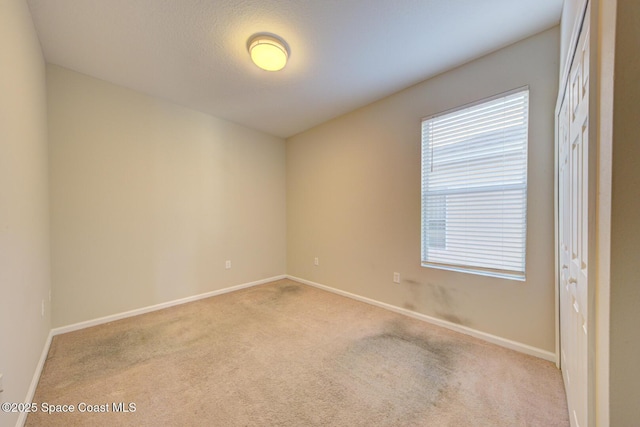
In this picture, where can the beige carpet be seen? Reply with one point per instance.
(286, 354)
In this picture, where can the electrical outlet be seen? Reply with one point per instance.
(396, 277)
(316, 261)
(227, 264)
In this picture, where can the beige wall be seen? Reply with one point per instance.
(625, 230)
(353, 200)
(24, 207)
(149, 199)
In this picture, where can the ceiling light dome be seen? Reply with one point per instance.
(268, 52)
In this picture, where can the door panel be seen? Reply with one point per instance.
(573, 192)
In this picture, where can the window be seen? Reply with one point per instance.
(474, 187)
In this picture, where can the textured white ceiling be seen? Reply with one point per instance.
(344, 53)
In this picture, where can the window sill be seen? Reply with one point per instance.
(520, 277)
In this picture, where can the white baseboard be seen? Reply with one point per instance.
(503, 342)
(137, 311)
(22, 418)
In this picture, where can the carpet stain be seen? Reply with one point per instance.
(399, 372)
(119, 351)
(288, 289)
(278, 295)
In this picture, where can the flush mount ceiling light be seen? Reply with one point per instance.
(268, 52)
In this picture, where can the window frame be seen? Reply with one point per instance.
(513, 274)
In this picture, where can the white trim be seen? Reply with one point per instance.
(556, 235)
(143, 310)
(503, 342)
(22, 418)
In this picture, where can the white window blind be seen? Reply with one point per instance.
(474, 187)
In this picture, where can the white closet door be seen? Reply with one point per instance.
(573, 191)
